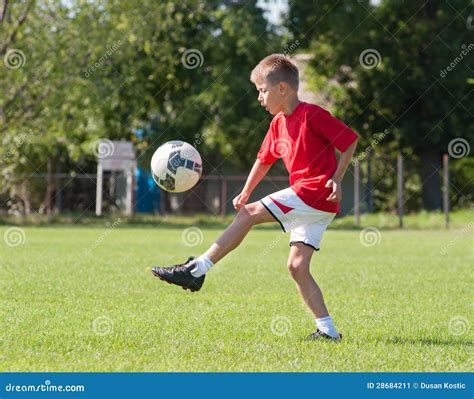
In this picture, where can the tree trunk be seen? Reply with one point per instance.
(430, 178)
(48, 199)
(57, 186)
(25, 198)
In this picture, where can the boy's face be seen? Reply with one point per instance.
(271, 97)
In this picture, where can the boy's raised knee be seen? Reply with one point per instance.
(251, 213)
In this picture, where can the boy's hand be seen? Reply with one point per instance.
(336, 194)
(240, 200)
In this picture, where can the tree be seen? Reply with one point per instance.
(193, 82)
(46, 109)
(103, 69)
(393, 60)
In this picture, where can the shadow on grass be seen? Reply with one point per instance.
(427, 341)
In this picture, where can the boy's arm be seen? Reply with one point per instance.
(259, 170)
(335, 180)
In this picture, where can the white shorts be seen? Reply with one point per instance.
(306, 224)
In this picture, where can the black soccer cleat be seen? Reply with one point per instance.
(322, 335)
(180, 275)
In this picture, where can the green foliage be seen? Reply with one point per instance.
(461, 189)
(47, 112)
(416, 44)
(214, 105)
(105, 68)
(413, 80)
(102, 69)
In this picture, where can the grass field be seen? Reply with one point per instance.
(83, 299)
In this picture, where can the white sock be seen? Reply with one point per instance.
(203, 264)
(326, 325)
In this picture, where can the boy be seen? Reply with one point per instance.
(305, 137)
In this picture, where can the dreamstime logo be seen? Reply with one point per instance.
(47, 386)
(200, 138)
(263, 257)
(103, 325)
(371, 146)
(20, 140)
(280, 325)
(458, 236)
(464, 51)
(370, 58)
(281, 148)
(287, 52)
(187, 152)
(192, 236)
(14, 59)
(458, 148)
(370, 236)
(458, 326)
(103, 59)
(192, 58)
(103, 148)
(14, 236)
(291, 48)
(103, 236)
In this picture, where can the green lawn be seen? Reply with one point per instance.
(83, 299)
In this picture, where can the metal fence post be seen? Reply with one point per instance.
(400, 189)
(446, 189)
(224, 197)
(356, 192)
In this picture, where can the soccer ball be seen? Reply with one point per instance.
(176, 166)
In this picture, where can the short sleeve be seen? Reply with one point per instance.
(265, 154)
(336, 132)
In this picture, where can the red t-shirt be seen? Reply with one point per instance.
(306, 141)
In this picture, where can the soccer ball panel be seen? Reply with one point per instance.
(185, 179)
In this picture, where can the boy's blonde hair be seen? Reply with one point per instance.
(274, 69)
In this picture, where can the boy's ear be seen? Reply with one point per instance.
(282, 87)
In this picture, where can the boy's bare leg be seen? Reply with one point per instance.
(248, 216)
(299, 267)
(190, 275)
